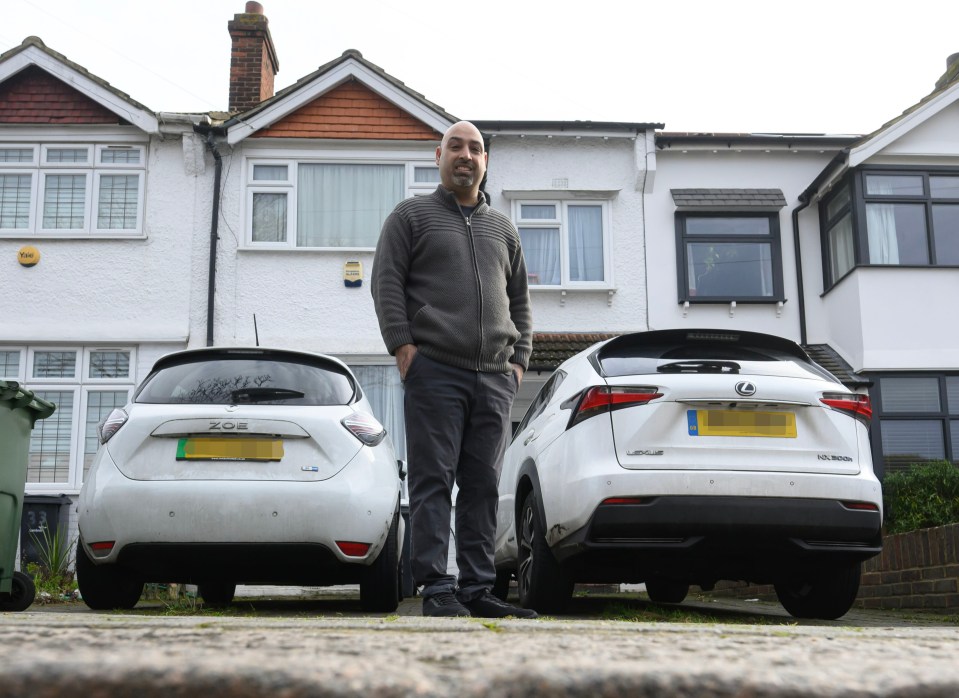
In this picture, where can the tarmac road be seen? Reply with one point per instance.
(292, 647)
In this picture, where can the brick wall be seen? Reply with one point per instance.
(350, 110)
(919, 570)
(33, 96)
(916, 570)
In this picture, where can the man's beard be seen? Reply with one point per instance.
(463, 179)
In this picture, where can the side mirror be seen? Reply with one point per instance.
(401, 466)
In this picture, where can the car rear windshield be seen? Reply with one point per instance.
(237, 381)
(638, 355)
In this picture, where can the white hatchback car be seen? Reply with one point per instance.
(682, 457)
(242, 465)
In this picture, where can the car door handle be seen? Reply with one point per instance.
(532, 437)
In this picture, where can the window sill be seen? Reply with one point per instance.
(307, 250)
(74, 235)
(685, 303)
(566, 290)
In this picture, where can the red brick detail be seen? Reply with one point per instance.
(33, 96)
(253, 62)
(351, 110)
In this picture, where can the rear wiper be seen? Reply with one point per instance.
(699, 367)
(260, 394)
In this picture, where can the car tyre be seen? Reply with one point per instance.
(106, 587)
(827, 593)
(660, 590)
(544, 584)
(22, 593)
(380, 587)
(217, 593)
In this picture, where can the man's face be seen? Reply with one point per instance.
(461, 158)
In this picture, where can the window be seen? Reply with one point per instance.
(85, 384)
(540, 402)
(70, 190)
(315, 205)
(565, 243)
(887, 218)
(918, 418)
(729, 257)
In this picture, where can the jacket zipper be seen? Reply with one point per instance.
(479, 290)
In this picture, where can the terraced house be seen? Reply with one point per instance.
(126, 233)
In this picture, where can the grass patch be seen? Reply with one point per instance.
(653, 613)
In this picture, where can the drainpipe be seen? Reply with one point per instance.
(801, 299)
(804, 200)
(209, 131)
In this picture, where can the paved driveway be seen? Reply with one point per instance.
(324, 646)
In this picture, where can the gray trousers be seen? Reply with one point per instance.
(457, 424)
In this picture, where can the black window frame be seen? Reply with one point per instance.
(774, 238)
(944, 416)
(858, 199)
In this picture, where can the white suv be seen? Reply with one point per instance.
(682, 457)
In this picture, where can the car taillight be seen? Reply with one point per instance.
(353, 549)
(853, 404)
(111, 425)
(365, 428)
(602, 399)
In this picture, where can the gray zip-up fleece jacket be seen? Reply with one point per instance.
(454, 286)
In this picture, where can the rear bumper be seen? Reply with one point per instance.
(733, 537)
(251, 531)
(306, 564)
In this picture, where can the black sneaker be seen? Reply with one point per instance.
(488, 606)
(444, 604)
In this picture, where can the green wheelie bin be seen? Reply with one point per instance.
(19, 411)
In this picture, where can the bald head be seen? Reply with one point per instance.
(462, 159)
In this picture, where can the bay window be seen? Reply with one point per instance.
(918, 418)
(884, 217)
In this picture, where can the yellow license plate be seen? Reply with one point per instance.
(737, 423)
(229, 449)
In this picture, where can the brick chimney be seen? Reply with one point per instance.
(253, 62)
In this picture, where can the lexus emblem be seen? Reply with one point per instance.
(745, 388)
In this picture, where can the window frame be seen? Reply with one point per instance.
(92, 169)
(562, 223)
(80, 385)
(859, 198)
(292, 161)
(774, 238)
(943, 415)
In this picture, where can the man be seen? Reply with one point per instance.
(450, 290)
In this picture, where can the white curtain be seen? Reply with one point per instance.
(384, 390)
(841, 247)
(541, 252)
(881, 226)
(345, 205)
(585, 243)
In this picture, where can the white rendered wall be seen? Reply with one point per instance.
(298, 297)
(588, 164)
(89, 290)
(789, 171)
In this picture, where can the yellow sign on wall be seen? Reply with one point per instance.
(353, 274)
(28, 255)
